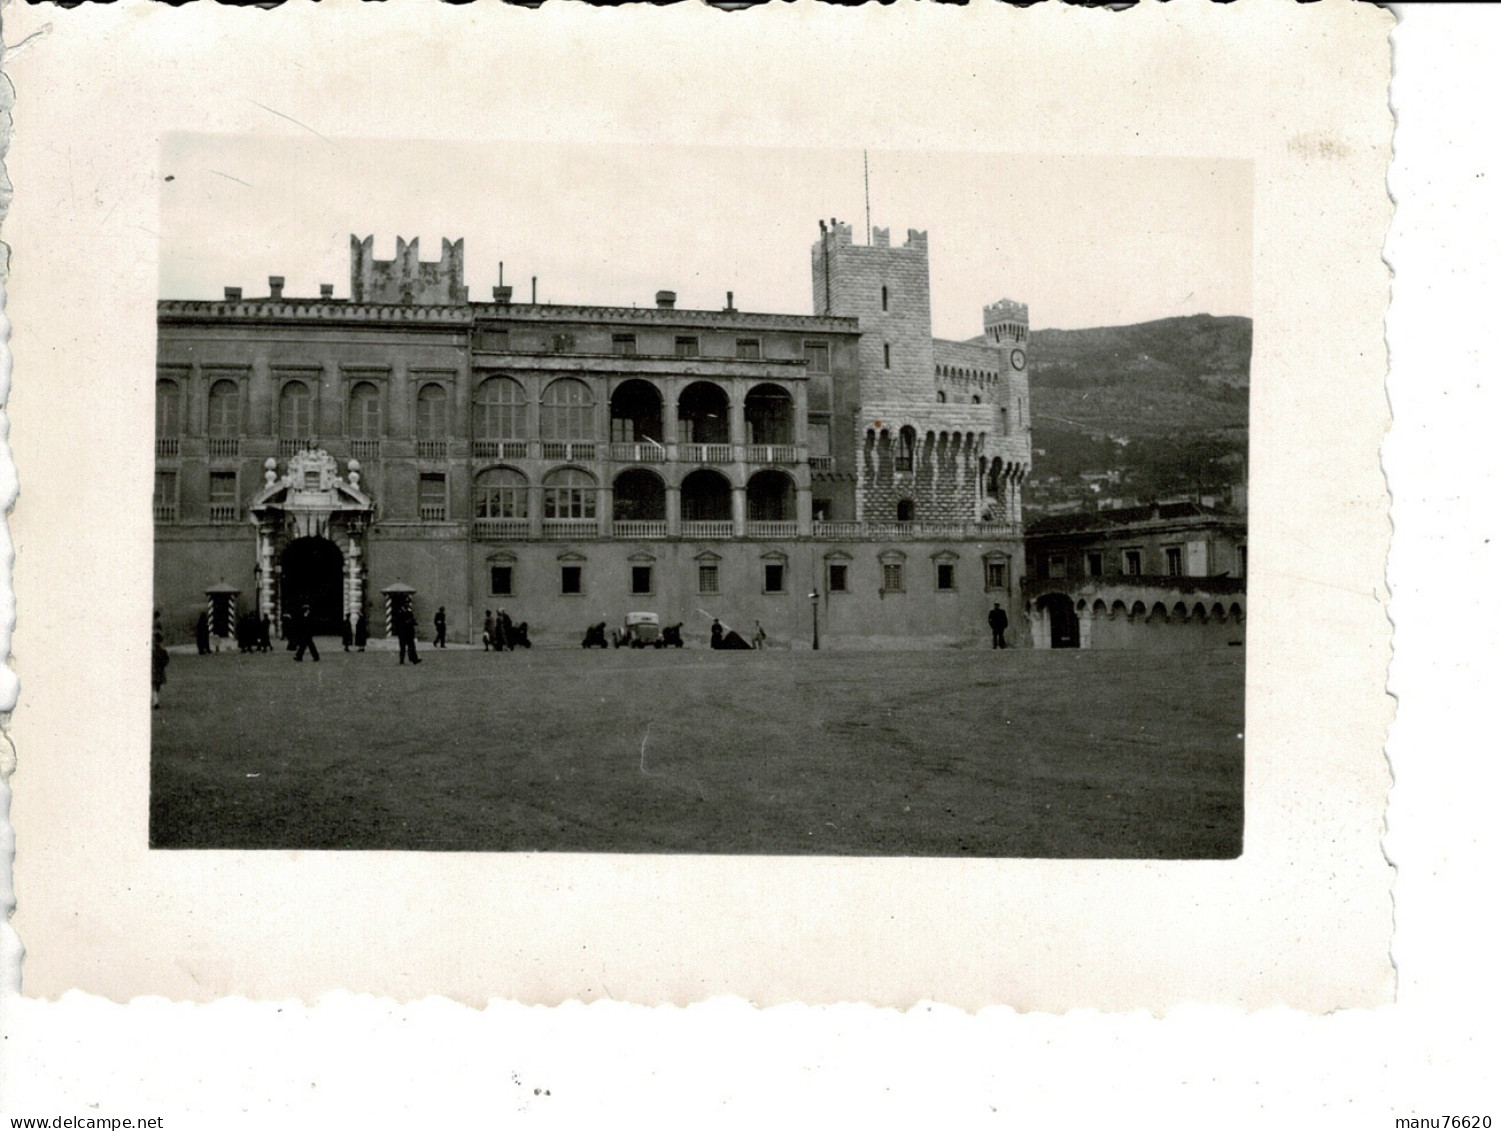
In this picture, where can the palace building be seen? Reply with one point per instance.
(840, 473)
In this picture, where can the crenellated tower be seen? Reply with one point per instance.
(406, 279)
(925, 455)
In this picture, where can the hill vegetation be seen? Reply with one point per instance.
(1160, 408)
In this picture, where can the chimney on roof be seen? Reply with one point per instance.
(500, 292)
(325, 290)
(232, 294)
(277, 282)
(666, 300)
(729, 300)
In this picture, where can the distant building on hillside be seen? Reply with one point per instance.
(1167, 576)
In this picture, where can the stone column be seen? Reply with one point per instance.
(605, 507)
(804, 511)
(669, 391)
(674, 510)
(737, 511)
(534, 510)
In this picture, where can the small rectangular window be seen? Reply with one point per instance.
(1005, 422)
(945, 575)
(573, 579)
(222, 503)
(1057, 566)
(817, 355)
(623, 345)
(1096, 564)
(500, 581)
(686, 347)
(432, 497)
(839, 577)
(998, 575)
(891, 577)
(1132, 563)
(640, 579)
(748, 349)
(494, 341)
(708, 579)
(775, 581)
(1175, 561)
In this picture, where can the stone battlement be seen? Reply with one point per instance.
(406, 279)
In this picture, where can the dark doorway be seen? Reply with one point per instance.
(1063, 622)
(312, 574)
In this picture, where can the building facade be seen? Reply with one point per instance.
(1169, 577)
(572, 463)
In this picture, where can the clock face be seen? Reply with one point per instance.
(1018, 359)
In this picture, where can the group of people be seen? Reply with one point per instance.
(501, 634)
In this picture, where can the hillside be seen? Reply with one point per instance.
(1140, 411)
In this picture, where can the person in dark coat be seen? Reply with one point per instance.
(716, 634)
(346, 633)
(503, 632)
(264, 642)
(361, 631)
(200, 633)
(159, 660)
(302, 629)
(406, 635)
(998, 623)
(440, 628)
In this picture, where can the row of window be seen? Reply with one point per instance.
(1196, 563)
(641, 578)
(627, 344)
(567, 411)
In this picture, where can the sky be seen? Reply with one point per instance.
(1085, 241)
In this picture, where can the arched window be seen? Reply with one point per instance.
(976, 398)
(906, 510)
(942, 397)
(568, 493)
(432, 412)
(499, 410)
(223, 410)
(364, 412)
(500, 492)
(168, 408)
(296, 411)
(567, 411)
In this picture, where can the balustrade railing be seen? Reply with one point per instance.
(638, 452)
(164, 512)
(167, 447)
(708, 528)
(705, 453)
(364, 449)
(223, 512)
(821, 463)
(433, 512)
(640, 528)
(567, 528)
(568, 449)
(288, 448)
(771, 453)
(223, 447)
(502, 528)
(766, 528)
(432, 449)
(825, 529)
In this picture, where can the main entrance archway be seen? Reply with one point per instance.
(312, 574)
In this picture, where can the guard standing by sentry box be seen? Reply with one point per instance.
(398, 596)
(223, 602)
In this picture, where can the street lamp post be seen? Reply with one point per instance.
(813, 597)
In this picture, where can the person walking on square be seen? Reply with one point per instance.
(503, 632)
(406, 636)
(346, 633)
(159, 660)
(998, 623)
(361, 631)
(264, 642)
(440, 628)
(302, 629)
(488, 637)
(716, 634)
(759, 640)
(200, 634)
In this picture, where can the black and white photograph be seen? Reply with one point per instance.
(688, 500)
